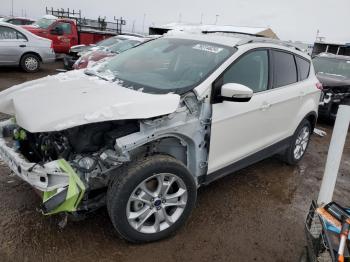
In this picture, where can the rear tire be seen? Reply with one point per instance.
(151, 198)
(299, 143)
(30, 63)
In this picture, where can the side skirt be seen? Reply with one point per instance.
(249, 160)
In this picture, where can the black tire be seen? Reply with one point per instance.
(130, 178)
(289, 156)
(30, 63)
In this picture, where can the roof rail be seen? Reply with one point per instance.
(252, 38)
(267, 40)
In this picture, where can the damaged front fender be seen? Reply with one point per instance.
(65, 199)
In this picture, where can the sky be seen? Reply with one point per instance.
(297, 20)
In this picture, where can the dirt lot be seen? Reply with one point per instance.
(256, 214)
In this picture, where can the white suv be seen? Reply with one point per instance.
(142, 131)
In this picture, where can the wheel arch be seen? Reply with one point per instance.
(30, 53)
(312, 118)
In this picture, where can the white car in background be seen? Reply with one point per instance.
(21, 48)
(144, 130)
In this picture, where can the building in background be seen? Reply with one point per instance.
(332, 48)
(255, 31)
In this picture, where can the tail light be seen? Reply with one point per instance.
(319, 86)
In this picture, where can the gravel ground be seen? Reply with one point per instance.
(256, 214)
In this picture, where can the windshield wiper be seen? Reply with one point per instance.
(94, 73)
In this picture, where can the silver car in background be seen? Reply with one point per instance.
(20, 47)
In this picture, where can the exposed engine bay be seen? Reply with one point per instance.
(95, 151)
(332, 97)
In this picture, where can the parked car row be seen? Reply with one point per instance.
(19, 47)
(102, 49)
(333, 71)
(143, 130)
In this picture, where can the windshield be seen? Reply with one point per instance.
(44, 23)
(123, 46)
(166, 65)
(332, 66)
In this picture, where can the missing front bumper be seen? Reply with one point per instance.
(61, 186)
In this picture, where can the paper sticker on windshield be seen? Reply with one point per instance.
(208, 48)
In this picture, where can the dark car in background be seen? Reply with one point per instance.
(333, 71)
(17, 20)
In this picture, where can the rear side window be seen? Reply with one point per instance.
(303, 68)
(7, 33)
(285, 71)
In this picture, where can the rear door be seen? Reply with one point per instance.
(12, 45)
(285, 97)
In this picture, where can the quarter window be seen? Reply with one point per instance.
(303, 68)
(285, 71)
(251, 70)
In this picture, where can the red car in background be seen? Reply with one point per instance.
(89, 58)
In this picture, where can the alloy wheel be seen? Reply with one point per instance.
(301, 142)
(156, 203)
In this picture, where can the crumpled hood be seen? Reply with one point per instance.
(329, 80)
(71, 99)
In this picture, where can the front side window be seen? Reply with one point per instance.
(7, 33)
(165, 65)
(285, 71)
(251, 70)
(65, 28)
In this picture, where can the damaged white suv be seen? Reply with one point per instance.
(142, 131)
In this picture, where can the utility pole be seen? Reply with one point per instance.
(180, 18)
(201, 18)
(143, 24)
(11, 7)
(133, 26)
(216, 19)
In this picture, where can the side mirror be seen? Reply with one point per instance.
(236, 92)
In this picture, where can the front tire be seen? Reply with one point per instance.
(299, 143)
(151, 198)
(30, 63)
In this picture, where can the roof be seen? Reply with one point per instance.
(230, 41)
(260, 31)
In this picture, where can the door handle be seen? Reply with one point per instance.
(22, 45)
(265, 106)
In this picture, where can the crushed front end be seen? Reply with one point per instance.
(69, 167)
(331, 98)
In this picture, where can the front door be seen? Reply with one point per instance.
(61, 35)
(240, 129)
